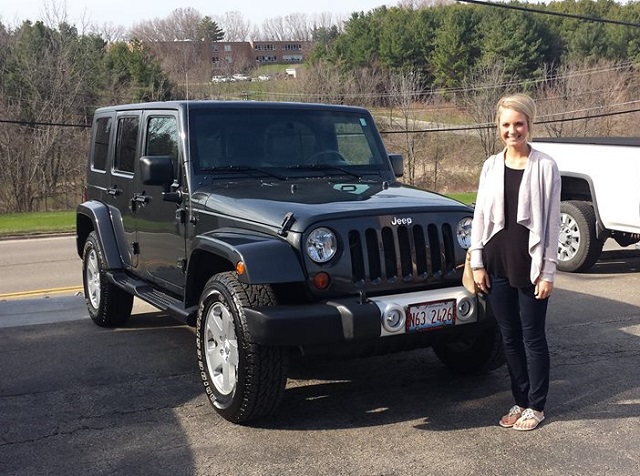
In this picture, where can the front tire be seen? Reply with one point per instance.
(578, 246)
(473, 355)
(108, 305)
(243, 380)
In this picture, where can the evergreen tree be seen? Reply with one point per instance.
(208, 30)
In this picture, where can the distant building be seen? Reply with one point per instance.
(225, 58)
(245, 55)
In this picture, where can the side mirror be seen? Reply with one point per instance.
(157, 170)
(397, 164)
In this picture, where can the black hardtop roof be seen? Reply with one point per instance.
(194, 104)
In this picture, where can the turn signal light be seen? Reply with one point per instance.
(321, 280)
(240, 269)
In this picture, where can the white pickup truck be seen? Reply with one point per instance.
(600, 195)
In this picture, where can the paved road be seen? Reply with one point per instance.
(77, 399)
(39, 264)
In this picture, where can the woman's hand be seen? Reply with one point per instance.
(543, 289)
(481, 278)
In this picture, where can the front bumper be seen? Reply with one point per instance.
(345, 320)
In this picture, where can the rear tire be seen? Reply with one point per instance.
(475, 354)
(578, 245)
(108, 305)
(243, 380)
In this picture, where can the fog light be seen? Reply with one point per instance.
(466, 308)
(393, 318)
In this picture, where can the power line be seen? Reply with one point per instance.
(492, 126)
(446, 129)
(551, 13)
(36, 123)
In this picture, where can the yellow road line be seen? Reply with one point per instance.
(41, 292)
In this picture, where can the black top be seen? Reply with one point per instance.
(506, 253)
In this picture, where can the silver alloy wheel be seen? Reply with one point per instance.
(221, 349)
(92, 277)
(569, 238)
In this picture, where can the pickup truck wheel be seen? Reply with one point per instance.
(578, 246)
(243, 380)
(473, 355)
(108, 305)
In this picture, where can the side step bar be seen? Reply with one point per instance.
(154, 296)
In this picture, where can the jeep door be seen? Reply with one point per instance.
(160, 223)
(121, 184)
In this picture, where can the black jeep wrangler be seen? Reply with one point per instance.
(273, 228)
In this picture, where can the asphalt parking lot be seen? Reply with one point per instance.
(78, 399)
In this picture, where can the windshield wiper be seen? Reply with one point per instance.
(324, 167)
(242, 168)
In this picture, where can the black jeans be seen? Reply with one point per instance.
(521, 318)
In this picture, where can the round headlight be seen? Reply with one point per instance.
(464, 233)
(321, 245)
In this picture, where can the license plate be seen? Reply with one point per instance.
(431, 315)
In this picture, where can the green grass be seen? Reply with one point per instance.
(17, 224)
(468, 197)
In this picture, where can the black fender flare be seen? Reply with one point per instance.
(266, 260)
(94, 216)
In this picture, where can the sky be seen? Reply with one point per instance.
(126, 13)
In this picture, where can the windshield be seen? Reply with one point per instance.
(298, 140)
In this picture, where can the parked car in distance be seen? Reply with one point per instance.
(241, 77)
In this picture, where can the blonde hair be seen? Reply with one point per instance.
(521, 103)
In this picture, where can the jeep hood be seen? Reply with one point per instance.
(268, 203)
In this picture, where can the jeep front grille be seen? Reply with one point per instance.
(412, 253)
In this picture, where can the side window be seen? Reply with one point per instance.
(126, 144)
(162, 139)
(101, 143)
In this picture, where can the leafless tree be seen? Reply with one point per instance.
(273, 29)
(586, 90)
(176, 41)
(324, 82)
(181, 25)
(110, 32)
(404, 93)
(326, 20)
(296, 27)
(38, 162)
(419, 4)
(235, 26)
(479, 95)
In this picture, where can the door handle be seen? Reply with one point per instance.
(137, 200)
(140, 198)
(114, 191)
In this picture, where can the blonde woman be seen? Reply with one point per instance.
(514, 247)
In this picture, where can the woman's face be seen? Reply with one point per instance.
(513, 128)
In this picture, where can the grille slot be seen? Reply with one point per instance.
(407, 253)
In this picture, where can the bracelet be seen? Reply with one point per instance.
(477, 269)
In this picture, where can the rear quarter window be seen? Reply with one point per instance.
(126, 144)
(102, 131)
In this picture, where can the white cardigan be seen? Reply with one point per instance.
(538, 210)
